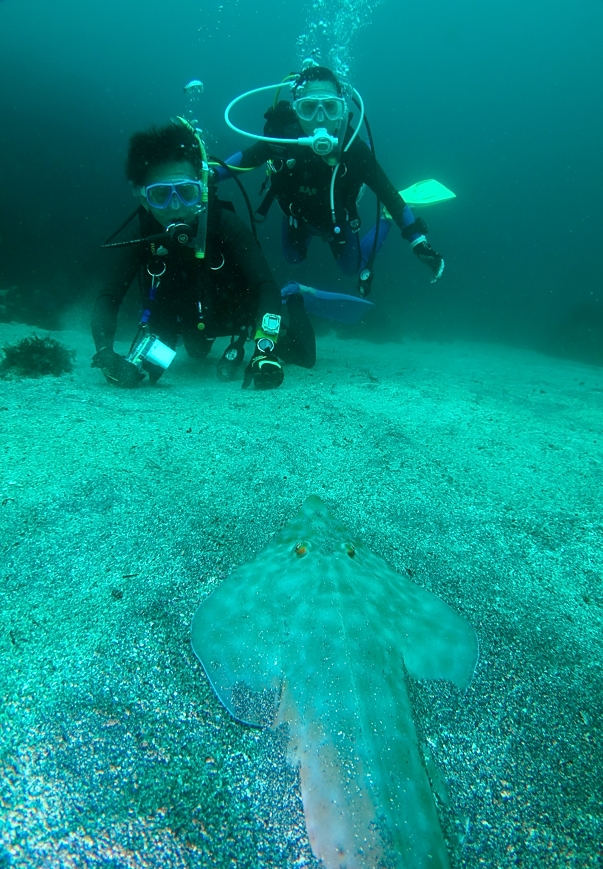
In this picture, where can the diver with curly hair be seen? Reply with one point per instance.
(201, 273)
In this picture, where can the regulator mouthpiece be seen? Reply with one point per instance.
(180, 232)
(321, 142)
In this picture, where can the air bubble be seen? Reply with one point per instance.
(331, 31)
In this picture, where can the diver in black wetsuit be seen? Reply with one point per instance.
(317, 184)
(201, 272)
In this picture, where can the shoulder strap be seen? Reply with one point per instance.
(264, 206)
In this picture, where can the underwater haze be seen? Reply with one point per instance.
(355, 621)
(500, 102)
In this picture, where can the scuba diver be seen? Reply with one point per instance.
(317, 168)
(201, 274)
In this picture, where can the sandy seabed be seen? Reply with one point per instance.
(475, 469)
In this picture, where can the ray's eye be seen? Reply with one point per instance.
(301, 549)
(350, 550)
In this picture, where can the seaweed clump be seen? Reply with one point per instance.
(36, 357)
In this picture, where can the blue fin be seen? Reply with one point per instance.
(330, 306)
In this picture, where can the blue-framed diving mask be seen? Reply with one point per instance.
(164, 194)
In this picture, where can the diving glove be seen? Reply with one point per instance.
(430, 258)
(264, 368)
(117, 369)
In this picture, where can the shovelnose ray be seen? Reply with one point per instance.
(319, 633)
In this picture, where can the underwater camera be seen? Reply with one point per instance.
(151, 349)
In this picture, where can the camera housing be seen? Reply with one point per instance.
(151, 349)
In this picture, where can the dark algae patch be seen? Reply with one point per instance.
(36, 357)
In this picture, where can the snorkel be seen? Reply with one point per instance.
(203, 209)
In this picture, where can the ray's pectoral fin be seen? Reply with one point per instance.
(243, 669)
(437, 643)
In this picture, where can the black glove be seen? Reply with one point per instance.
(430, 258)
(264, 367)
(117, 369)
(154, 371)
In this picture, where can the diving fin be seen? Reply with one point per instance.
(426, 193)
(423, 193)
(331, 306)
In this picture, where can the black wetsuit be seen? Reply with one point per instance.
(226, 293)
(300, 181)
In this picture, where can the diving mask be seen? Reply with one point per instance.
(163, 194)
(320, 107)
